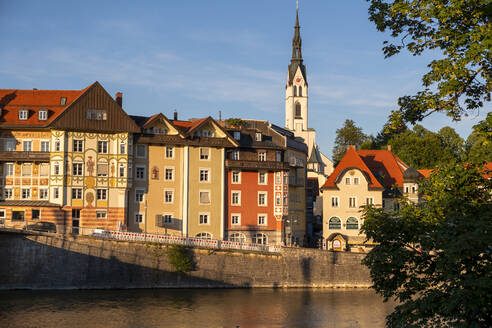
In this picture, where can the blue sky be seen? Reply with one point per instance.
(199, 57)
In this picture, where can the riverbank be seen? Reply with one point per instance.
(49, 261)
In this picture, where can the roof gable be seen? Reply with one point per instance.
(95, 110)
(161, 121)
(384, 164)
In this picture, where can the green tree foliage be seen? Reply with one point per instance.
(424, 149)
(458, 29)
(180, 258)
(479, 143)
(349, 134)
(435, 257)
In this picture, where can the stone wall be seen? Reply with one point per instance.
(43, 261)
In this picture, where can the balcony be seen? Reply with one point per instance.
(256, 165)
(24, 156)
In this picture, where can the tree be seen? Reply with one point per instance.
(349, 134)
(461, 31)
(479, 143)
(452, 144)
(435, 257)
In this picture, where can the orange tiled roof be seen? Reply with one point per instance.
(352, 159)
(488, 167)
(12, 100)
(425, 172)
(386, 164)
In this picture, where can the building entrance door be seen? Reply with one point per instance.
(75, 221)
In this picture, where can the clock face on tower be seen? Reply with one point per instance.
(298, 80)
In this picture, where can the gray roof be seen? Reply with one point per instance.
(28, 203)
(315, 156)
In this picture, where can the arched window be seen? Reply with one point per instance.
(334, 223)
(300, 91)
(260, 238)
(237, 237)
(295, 91)
(298, 110)
(352, 223)
(204, 235)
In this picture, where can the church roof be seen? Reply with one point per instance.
(315, 156)
(296, 60)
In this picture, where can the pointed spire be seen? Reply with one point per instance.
(296, 60)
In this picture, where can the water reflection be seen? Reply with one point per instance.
(193, 308)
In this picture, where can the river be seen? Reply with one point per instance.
(345, 308)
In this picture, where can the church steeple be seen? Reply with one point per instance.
(296, 60)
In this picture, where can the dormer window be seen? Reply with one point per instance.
(63, 101)
(43, 115)
(237, 135)
(23, 114)
(258, 136)
(207, 133)
(96, 114)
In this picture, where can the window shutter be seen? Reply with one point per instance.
(158, 220)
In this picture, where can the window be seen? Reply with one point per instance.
(356, 181)
(414, 189)
(278, 156)
(384, 203)
(45, 146)
(102, 147)
(78, 146)
(204, 153)
(56, 168)
(26, 169)
(347, 181)
(122, 170)
(43, 193)
(169, 152)
(204, 175)
(334, 201)
(262, 178)
(138, 218)
(17, 215)
(9, 169)
(101, 214)
(2, 214)
(102, 194)
(23, 114)
(235, 154)
(26, 193)
(298, 110)
(167, 218)
(262, 198)
(7, 193)
(334, 223)
(57, 145)
(237, 237)
(76, 193)
(352, 202)
(236, 198)
(300, 91)
(352, 224)
(139, 195)
(235, 219)
(203, 219)
(168, 196)
(96, 114)
(262, 219)
(258, 136)
(141, 151)
(169, 176)
(278, 179)
(278, 199)
(27, 146)
(9, 145)
(204, 197)
(237, 135)
(236, 176)
(140, 173)
(122, 147)
(262, 156)
(63, 101)
(56, 193)
(43, 115)
(102, 170)
(369, 201)
(260, 238)
(77, 168)
(204, 235)
(286, 199)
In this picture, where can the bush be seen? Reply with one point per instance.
(180, 258)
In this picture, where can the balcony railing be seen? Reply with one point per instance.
(14, 156)
(242, 164)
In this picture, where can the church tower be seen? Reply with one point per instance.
(296, 89)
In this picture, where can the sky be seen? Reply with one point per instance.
(201, 57)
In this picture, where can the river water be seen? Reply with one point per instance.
(346, 308)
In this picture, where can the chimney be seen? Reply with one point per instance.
(119, 98)
(389, 147)
(220, 115)
(175, 115)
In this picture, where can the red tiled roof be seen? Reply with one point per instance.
(12, 100)
(488, 167)
(196, 124)
(352, 159)
(182, 125)
(425, 172)
(386, 164)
